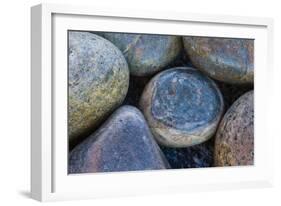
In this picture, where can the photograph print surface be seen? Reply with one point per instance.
(141, 102)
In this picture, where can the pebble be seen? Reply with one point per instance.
(182, 106)
(146, 54)
(234, 141)
(98, 82)
(226, 60)
(123, 143)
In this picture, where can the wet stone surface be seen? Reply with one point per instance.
(234, 141)
(182, 107)
(123, 143)
(146, 54)
(227, 60)
(98, 82)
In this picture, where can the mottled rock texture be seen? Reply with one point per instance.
(98, 81)
(123, 143)
(146, 54)
(234, 141)
(196, 156)
(227, 60)
(182, 106)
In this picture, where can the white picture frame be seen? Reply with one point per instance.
(49, 179)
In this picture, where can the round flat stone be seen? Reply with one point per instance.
(234, 141)
(146, 54)
(98, 82)
(182, 107)
(123, 143)
(227, 60)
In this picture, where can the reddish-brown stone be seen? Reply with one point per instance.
(224, 59)
(234, 141)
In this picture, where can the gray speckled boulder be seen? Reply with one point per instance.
(182, 106)
(227, 60)
(123, 143)
(146, 54)
(98, 81)
(234, 141)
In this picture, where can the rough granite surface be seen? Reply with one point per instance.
(234, 141)
(98, 82)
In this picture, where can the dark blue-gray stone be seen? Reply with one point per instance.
(224, 59)
(146, 53)
(97, 82)
(182, 96)
(196, 156)
(182, 107)
(123, 143)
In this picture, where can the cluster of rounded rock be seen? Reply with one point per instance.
(181, 120)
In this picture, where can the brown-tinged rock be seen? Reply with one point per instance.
(224, 59)
(234, 141)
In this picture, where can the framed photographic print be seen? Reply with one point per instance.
(137, 102)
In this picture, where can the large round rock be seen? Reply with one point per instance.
(123, 143)
(227, 60)
(146, 54)
(234, 142)
(182, 106)
(98, 81)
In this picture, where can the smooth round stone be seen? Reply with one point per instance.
(146, 54)
(234, 141)
(98, 81)
(196, 156)
(227, 60)
(123, 143)
(182, 106)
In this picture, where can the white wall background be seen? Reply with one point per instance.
(15, 101)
